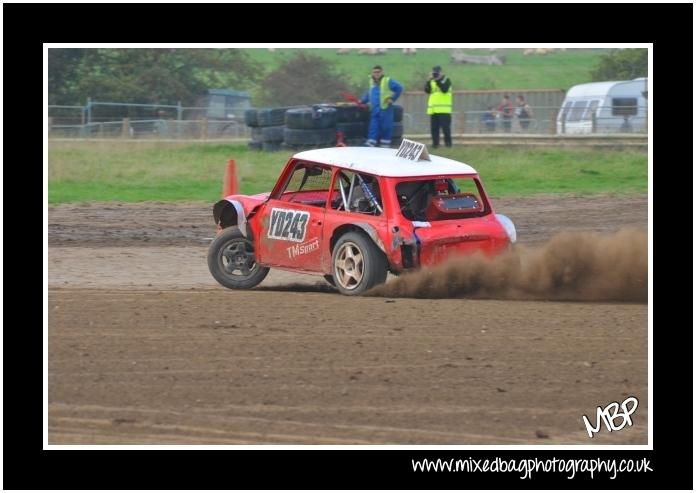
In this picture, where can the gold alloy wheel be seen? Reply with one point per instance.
(349, 266)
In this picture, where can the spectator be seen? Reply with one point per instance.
(524, 113)
(439, 87)
(626, 126)
(488, 119)
(381, 96)
(506, 112)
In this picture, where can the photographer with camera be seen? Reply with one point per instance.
(439, 87)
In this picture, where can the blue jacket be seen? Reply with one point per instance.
(372, 96)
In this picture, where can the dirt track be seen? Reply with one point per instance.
(144, 347)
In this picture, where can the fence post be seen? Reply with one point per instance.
(101, 130)
(125, 128)
(50, 124)
(563, 121)
(552, 121)
(89, 110)
(204, 128)
(179, 110)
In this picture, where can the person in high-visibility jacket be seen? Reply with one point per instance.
(439, 87)
(381, 96)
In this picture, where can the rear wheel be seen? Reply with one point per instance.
(232, 262)
(358, 264)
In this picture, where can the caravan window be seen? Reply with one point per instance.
(577, 111)
(566, 109)
(590, 109)
(624, 106)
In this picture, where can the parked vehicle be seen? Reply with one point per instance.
(605, 107)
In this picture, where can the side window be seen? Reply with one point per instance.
(308, 184)
(624, 106)
(566, 109)
(590, 109)
(357, 192)
(577, 111)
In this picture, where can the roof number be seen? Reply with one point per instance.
(413, 151)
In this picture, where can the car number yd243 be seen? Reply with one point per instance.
(288, 225)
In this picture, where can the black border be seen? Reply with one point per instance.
(27, 26)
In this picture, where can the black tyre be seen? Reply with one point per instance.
(350, 113)
(398, 131)
(231, 260)
(353, 130)
(325, 136)
(272, 146)
(257, 134)
(311, 118)
(398, 113)
(250, 118)
(271, 117)
(357, 264)
(254, 145)
(272, 134)
(355, 142)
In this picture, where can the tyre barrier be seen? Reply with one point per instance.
(398, 113)
(272, 134)
(271, 117)
(272, 146)
(353, 130)
(348, 112)
(355, 142)
(313, 126)
(318, 117)
(314, 137)
(257, 134)
(251, 117)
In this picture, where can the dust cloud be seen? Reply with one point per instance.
(570, 267)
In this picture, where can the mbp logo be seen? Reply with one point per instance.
(610, 413)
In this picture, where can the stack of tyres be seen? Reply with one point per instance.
(352, 120)
(310, 127)
(266, 128)
(398, 132)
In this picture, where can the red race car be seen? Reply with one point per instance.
(353, 214)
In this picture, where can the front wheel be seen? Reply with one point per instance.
(232, 262)
(358, 264)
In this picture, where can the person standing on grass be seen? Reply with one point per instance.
(506, 112)
(524, 112)
(439, 87)
(381, 96)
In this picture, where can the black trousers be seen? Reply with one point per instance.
(438, 121)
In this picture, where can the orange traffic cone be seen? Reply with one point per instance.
(230, 185)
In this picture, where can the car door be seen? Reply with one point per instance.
(291, 225)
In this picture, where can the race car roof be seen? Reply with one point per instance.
(384, 162)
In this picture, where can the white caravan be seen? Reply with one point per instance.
(618, 107)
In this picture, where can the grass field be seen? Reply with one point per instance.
(559, 70)
(133, 172)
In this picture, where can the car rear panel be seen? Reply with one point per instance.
(444, 239)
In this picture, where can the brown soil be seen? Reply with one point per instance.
(145, 347)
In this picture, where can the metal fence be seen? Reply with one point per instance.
(179, 122)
